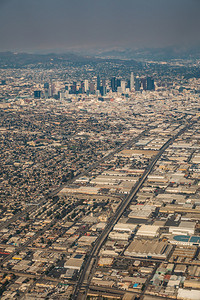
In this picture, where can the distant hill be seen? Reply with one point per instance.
(21, 60)
(155, 54)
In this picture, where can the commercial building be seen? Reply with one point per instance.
(185, 240)
(184, 228)
(75, 262)
(119, 236)
(125, 227)
(188, 294)
(146, 248)
(150, 231)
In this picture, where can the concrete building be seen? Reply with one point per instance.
(119, 236)
(125, 227)
(146, 248)
(74, 263)
(148, 231)
(188, 294)
(184, 228)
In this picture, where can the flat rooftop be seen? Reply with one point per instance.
(187, 239)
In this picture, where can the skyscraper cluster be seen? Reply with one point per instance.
(100, 86)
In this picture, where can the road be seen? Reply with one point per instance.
(84, 274)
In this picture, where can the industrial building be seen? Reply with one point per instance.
(146, 248)
(150, 231)
(184, 228)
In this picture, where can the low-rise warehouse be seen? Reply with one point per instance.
(146, 248)
(148, 230)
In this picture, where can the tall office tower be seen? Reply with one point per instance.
(46, 85)
(74, 87)
(46, 90)
(150, 84)
(123, 86)
(49, 92)
(137, 84)
(92, 88)
(37, 94)
(46, 93)
(62, 95)
(144, 83)
(98, 82)
(103, 82)
(52, 89)
(86, 86)
(132, 83)
(118, 83)
(82, 87)
(103, 90)
(113, 84)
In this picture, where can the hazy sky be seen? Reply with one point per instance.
(65, 24)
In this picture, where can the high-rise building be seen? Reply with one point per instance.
(74, 87)
(103, 82)
(123, 86)
(46, 85)
(118, 83)
(113, 84)
(51, 89)
(82, 87)
(103, 90)
(37, 94)
(46, 94)
(98, 82)
(132, 82)
(92, 88)
(150, 84)
(86, 85)
(137, 84)
(46, 90)
(144, 83)
(62, 95)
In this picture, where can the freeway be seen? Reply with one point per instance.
(87, 269)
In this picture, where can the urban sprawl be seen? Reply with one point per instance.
(100, 182)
